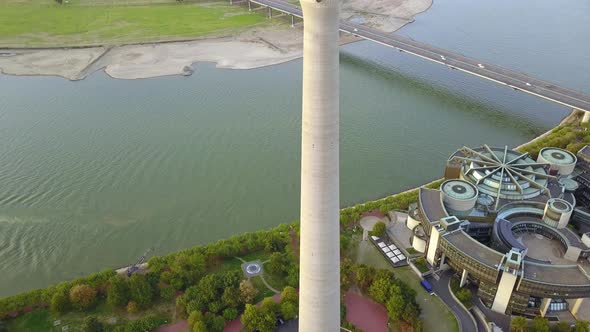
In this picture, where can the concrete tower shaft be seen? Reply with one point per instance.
(319, 304)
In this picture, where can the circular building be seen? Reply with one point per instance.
(560, 161)
(557, 212)
(501, 173)
(459, 197)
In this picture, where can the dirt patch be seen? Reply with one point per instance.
(252, 48)
(365, 313)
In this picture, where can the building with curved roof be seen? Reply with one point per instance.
(500, 220)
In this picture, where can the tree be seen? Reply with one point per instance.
(157, 264)
(581, 326)
(270, 306)
(379, 290)
(230, 313)
(92, 324)
(254, 319)
(231, 297)
(518, 324)
(194, 318)
(247, 291)
(167, 293)
(395, 305)
(140, 290)
(60, 301)
(278, 263)
(289, 310)
(82, 296)
(200, 325)
(117, 292)
(541, 324)
(378, 229)
(289, 294)
(364, 276)
(214, 323)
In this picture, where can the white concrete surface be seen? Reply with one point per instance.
(319, 279)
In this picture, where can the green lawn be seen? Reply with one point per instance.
(42, 320)
(435, 314)
(32, 24)
(263, 290)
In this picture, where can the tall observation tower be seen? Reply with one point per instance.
(319, 304)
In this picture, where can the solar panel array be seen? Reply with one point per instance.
(391, 251)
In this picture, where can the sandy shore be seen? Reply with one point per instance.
(252, 48)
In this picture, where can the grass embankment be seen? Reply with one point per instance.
(82, 23)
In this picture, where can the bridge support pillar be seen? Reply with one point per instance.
(249, 6)
(292, 21)
(545, 306)
(463, 278)
(269, 12)
(586, 117)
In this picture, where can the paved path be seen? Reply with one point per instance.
(267, 285)
(510, 78)
(441, 288)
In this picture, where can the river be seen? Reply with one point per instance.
(94, 172)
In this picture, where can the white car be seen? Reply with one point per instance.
(442, 57)
(528, 84)
(480, 65)
(356, 30)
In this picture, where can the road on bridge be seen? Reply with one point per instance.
(513, 79)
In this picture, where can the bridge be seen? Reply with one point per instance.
(516, 80)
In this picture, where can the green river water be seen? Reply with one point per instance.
(94, 172)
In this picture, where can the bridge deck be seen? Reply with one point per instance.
(513, 79)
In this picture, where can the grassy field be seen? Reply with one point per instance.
(42, 320)
(78, 23)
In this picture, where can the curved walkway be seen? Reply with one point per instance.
(441, 288)
(267, 285)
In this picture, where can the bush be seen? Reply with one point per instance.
(82, 296)
(378, 230)
(91, 324)
(60, 301)
(148, 323)
(464, 295)
(420, 263)
(132, 307)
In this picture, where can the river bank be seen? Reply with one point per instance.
(255, 47)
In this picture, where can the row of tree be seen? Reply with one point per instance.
(540, 324)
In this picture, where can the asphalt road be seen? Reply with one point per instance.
(441, 289)
(516, 80)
